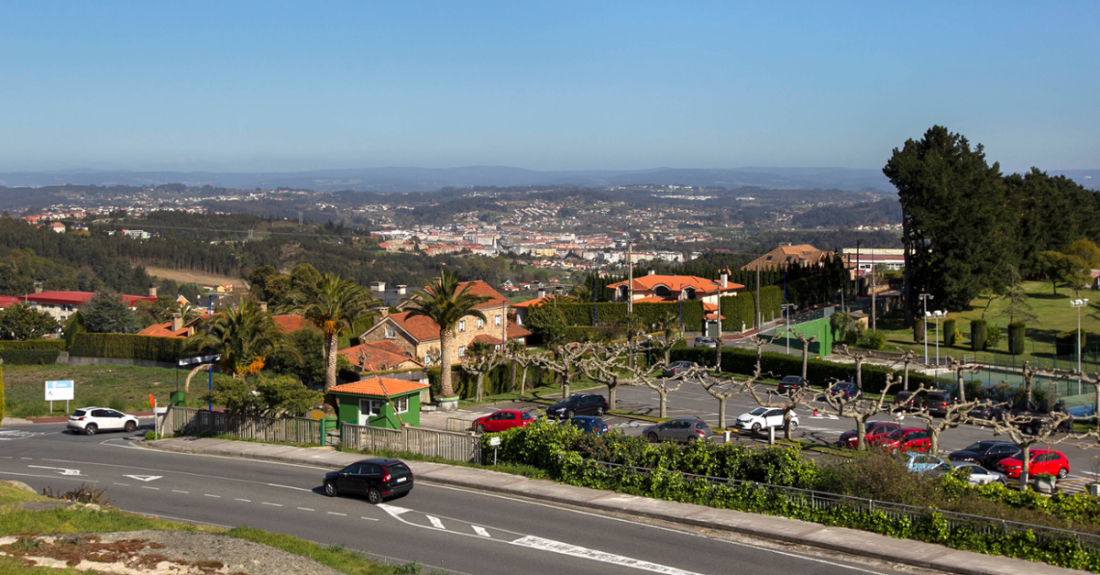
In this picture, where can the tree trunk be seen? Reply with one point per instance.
(859, 374)
(523, 382)
(805, 359)
(565, 383)
(787, 424)
(611, 396)
(1025, 468)
(331, 341)
(512, 376)
(962, 387)
(934, 436)
(480, 385)
(722, 412)
(861, 434)
(445, 337)
(664, 402)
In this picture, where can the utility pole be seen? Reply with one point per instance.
(630, 276)
(874, 302)
(759, 313)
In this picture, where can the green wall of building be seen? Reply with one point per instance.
(820, 328)
(349, 410)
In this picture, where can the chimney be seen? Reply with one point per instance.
(651, 271)
(401, 288)
(263, 306)
(152, 290)
(177, 321)
(542, 292)
(377, 287)
(725, 280)
(384, 311)
(37, 287)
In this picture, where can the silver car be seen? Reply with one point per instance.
(980, 475)
(681, 429)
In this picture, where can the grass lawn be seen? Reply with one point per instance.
(1055, 316)
(56, 521)
(125, 388)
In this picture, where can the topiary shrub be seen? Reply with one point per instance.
(918, 331)
(979, 333)
(871, 340)
(1065, 343)
(1016, 333)
(949, 337)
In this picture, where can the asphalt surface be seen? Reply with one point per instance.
(461, 531)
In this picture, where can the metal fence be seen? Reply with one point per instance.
(190, 421)
(956, 522)
(444, 444)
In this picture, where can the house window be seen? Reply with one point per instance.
(371, 407)
(461, 326)
(461, 351)
(480, 323)
(401, 404)
(391, 332)
(496, 320)
(427, 358)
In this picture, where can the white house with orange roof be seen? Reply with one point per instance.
(655, 288)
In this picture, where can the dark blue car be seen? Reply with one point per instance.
(589, 424)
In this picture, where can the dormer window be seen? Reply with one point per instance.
(391, 332)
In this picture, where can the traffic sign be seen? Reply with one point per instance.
(59, 390)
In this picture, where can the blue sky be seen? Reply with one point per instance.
(586, 85)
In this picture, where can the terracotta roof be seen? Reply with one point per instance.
(516, 331)
(292, 323)
(535, 302)
(373, 386)
(377, 356)
(800, 254)
(77, 298)
(677, 284)
(486, 338)
(163, 330)
(7, 300)
(479, 287)
(421, 328)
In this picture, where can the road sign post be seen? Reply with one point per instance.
(59, 390)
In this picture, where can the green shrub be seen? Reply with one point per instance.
(918, 331)
(949, 334)
(1, 391)
(1017, 331)
(29, 356)
(979, 332)
(40, 344)
(992, 337)
(871, 340)
(1065, 343)
(127, 346)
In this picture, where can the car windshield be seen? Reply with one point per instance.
(979, 447)
(894, 434)
(758, 411)
(78, 413)
(790, 379)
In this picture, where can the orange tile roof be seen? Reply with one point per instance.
(374, 386)
(163, 330)
(421, 328)
(479, 287)
(534, 302)
(677, 284)
(516, 331)
(292, 323)
(486, 338)
(377, 356)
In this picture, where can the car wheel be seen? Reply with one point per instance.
(599, 410)
(652, 437)
(1062, 473)
(756, 428)
(330, 489)
(794, 425)
(130, 426)
(90, 429)
(480, 428)
(374, 496)
(569, 414)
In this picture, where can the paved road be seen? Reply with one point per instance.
(458, 530)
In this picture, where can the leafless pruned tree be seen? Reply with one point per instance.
(859, 356)
(805, 341)
(1042, 428)
(861, 407)
(961, 368)
(561, 360)
(652, 375)
(957, 413)
(480, 362)
(723, 387)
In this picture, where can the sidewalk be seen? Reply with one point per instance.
(903, 551)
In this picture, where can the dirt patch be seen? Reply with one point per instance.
(193, 277)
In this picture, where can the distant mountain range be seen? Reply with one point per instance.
(395, 179)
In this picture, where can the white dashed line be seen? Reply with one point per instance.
(340, 514)
(481, 531)
(435, 522)
(178, 491)
(369, 518)
(306, 509)
(245, 500)
(214, 496)
(147, 487)
(123, 484)
(273, 504)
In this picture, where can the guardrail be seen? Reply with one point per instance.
(191, 421)
(956, 522)
(444, 444)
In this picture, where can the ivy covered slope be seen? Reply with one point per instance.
(570, 456)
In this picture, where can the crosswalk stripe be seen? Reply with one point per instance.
(481, 531)
(435, 522)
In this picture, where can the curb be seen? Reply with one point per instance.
(799, 539)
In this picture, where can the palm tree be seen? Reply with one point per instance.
(333, 305)
(244, 338)
(446, 305)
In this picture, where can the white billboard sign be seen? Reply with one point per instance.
(59, 390)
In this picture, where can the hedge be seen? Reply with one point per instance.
(580, 314)
(948, 332)
(740, 310)
(918, 332)
(818, 371)
(497, 381)
(1016, 333)
(126, 346)
(54, 344)
(1, 391)
(979, 332)
(1065, 343)
(29, 356)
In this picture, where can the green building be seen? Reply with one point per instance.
(379, 402)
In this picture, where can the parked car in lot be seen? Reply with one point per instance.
(90, 420)
(987, 413)
(705, 342)
(979, 475)
(578, 404)
(763, 418)
(925, 463)
(938, 402)
(377, 479)
(906, 439)
(906, 401)
(681, 429)
(589, 424)
(677, 367)
(875, 430)
(845, 389)
(790, 384)
(986, 453)
(1042, 461)
(501, 420)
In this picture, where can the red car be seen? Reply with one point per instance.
(907, 439)
(501, 420)
(876, 430)
(1042, 461)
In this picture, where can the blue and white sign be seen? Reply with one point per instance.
(59, 390)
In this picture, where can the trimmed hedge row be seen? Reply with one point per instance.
(29, 356)
(818, 371)
(741, 309)
(580, 314)
(497, 381)
(55, 344)
(1016, 334)
(949, 332)
(126, 346)
(979, 333)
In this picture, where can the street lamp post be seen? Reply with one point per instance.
(787, 309)
(936, 315)
(924, 297)
(1079, 303)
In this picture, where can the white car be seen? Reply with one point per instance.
(89, 420)
(980, 475)
(764, 417)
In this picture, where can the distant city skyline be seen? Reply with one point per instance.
(566, 86)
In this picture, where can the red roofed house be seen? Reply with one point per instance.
(379, 356)
(62, 304)
(379, 402)
(8, 301)
(418, 336)
(654, 288)
(788, 255)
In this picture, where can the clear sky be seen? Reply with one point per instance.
(553, 85)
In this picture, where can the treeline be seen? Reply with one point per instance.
(887, 211)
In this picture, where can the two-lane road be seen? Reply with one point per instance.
(462, 531)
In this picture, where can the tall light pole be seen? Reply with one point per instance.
(936, 315)
(1079, 303)
(787, 309)
(924, 297)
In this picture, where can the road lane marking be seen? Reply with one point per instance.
(145, 478)
(30, 458)
(178, 491)
(245, 500)
(306, 509)
(148, 487)
(370, 518)
(214, 496)
(340, 514)
(273, 504)
(123, 484)
(594, 555)
(435, 522)
(481, 531)
(290, 487)
(63, 470)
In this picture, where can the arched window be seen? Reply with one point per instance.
(662, 291)
(689, 293)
